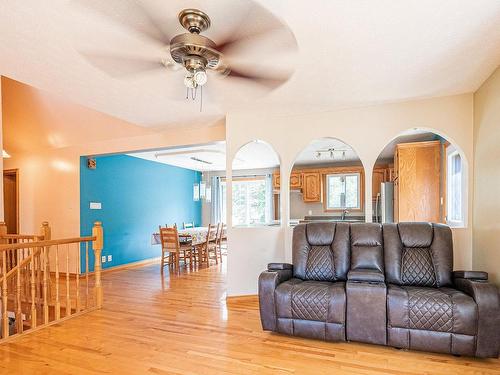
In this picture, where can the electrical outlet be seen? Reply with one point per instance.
(110, 258)
(103, 259)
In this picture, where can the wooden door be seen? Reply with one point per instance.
(311, 190)
(10, 201)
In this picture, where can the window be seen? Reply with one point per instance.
(222, 201)
(455, 186)
(343, 191)
(249, 201)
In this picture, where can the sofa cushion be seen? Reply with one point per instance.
(418, 254)
(366, 246)
(321, 251)
(311, 300)
(431, 309)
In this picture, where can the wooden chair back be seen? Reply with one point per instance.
(211, 234)
(220, 233)
(169, 238)
(188, 225)
(174, 225)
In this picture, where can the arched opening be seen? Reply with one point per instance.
(327, 183)
(255, 194)
(420, 176)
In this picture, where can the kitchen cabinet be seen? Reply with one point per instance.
(417, 170)
(276, 180)
(311, 191)
(379, 176)
(295, 180)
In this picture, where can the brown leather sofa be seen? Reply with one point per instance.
(388, 284)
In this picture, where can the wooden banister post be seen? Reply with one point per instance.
(3, 231)
(45, 231)
(97, 245)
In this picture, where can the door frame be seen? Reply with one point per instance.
(14, 172)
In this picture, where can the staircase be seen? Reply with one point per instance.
(42, 281)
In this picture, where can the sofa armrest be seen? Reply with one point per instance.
(279, 266)
(268, 282)
(366, 275)
(487, 298)
(471, 275)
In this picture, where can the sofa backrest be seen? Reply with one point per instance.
(419, 254)
(321, 251)
(367, 247)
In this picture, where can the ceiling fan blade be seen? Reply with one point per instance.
(257, 23)
(268, 81)
(122, 66)
(132, 14)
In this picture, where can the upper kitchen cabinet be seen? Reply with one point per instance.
(295, 180)
(311, 186)
(380, 175)
(418, 187)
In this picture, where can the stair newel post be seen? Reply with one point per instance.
(97, 232)
(3, 232)
(45, 232)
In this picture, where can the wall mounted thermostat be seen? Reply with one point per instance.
(95, 205)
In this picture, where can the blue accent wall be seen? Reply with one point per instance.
(137, 196)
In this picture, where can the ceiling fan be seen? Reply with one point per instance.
(199, 55)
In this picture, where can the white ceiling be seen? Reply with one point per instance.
(253, 155)
(212, 157)
(213, 154)
(350, 54)
(342, 153)
(412, 135)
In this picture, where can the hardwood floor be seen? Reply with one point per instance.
(182, 325)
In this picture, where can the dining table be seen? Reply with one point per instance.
(196, 234)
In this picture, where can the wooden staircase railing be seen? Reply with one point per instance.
(36, 292)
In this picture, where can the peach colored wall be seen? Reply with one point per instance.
(1, 156)
(367, 130)
(487, 177)
(49, 178)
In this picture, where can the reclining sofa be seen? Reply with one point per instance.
(390, 284)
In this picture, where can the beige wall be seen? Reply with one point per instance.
(487, 177)
(367, 130)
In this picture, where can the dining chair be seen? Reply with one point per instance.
(223, 242)
(172, 251)
(188, 225)
(218, 247)
(209, 245)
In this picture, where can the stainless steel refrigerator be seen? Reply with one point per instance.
(384, 205)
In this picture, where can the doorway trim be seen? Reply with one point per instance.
(14, 172)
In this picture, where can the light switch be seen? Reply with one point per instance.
(95, 205)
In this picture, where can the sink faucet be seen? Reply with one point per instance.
(344, 214)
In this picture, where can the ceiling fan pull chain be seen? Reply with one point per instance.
(187, 93)
(201, 98)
